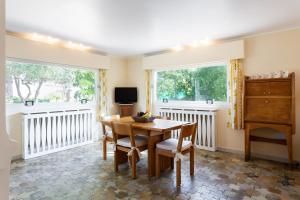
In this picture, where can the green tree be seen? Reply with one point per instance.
(211, 83)
(34, 76)
(85, 81)
(28, 74)
(193, 84)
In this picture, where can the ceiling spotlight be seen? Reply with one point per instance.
(73, 45)
(42, 38)
(36, 37)
(206, 42)
(194, 44)
(178, 48)
(51, 40)
(70, 45)
(83, 47)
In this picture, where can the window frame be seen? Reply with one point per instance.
(192, 103)
(51, 105)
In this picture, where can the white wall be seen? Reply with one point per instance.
(31, 50)
(136, 78)
(116, 77)
(202, 54)
(5, 143)
(264, 53)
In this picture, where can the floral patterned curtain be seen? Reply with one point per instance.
(148, 74)
(102, 94)
(236, 87)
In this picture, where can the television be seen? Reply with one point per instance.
(125, 95)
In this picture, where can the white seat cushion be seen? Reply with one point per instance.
(139, 141)
(171, 145)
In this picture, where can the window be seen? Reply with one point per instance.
(46, 83)
(196, 84)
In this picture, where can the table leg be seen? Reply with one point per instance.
(166, 162)
(151, 153)
(154, 138)
(247, 143)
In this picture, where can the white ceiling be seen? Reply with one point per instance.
(128, 27)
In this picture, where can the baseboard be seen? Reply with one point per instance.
(256, 155)
(233, 151)
(16, 157)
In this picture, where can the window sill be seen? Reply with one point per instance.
(46, 107)
(193, 105)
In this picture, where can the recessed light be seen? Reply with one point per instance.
(194, 44)
(177, 48)
(77, 46)
(206, 42)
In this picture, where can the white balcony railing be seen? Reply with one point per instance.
(48, 132)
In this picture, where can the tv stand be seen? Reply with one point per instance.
(126, 110)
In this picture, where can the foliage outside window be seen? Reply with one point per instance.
(48, 83)
(197, 84)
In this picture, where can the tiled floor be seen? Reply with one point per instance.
(81, 174)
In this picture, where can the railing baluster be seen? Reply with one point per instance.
(31, 135)
(25, 136)
(67, 124)
(59, 130)
(37, 134)
(44, 132)
(73, 129)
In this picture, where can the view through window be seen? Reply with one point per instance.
(46, 83)
(196, 84)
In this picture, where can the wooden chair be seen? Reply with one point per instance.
(163, 117)
(175, 149)
(107, 134)
(126, 141)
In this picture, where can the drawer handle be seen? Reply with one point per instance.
(269, 92)
(266, 101)
(265, 93)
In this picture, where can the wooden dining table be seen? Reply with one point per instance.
(156, 131)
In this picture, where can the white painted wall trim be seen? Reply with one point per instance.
(202, 54)
(19, 48)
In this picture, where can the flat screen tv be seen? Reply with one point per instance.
(124, 95)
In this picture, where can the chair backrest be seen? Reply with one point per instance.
(106, 124)
(163, 117)
(120, 130)
(187, 130)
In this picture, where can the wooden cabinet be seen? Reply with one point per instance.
(126, 110)
(269, 103)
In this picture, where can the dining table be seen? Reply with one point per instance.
(156, 131)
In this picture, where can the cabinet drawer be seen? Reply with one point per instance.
(279, 88)
(256, 88)
(273, 88)
(268, 110)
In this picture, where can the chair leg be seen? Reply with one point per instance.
(289, 144)
(178, 173)
(133, 165)
(172, 163)
(247, 144)
(116, 160)
(192, 156)
(104, 148)
(157, 163)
